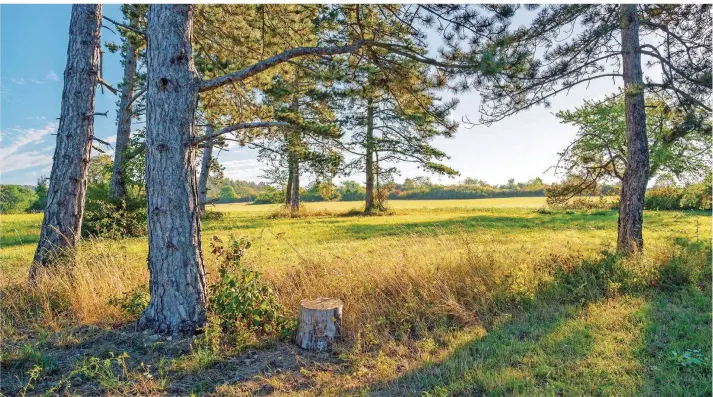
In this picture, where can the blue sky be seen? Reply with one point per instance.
(32, 59)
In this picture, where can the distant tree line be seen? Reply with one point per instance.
(18, 199)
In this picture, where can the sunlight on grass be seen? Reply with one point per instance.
(441, 298)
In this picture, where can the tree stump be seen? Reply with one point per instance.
(320, 323)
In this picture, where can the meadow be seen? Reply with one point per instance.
(450, 297)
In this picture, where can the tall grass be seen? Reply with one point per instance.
(399, 291)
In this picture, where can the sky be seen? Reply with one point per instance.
(33, 50)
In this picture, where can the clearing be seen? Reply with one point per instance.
(458, 297)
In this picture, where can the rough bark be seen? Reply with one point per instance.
(288, 190)
(320, 323)
(295, 195)
(61, 226)
(123, 129)
(205, 170)
(369, 163)
(177, 275)
(636, 175)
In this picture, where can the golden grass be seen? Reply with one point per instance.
(415, 284)
(386, 270)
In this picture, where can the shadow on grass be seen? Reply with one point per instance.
(87, 361)
(534, 346)
(546, 348)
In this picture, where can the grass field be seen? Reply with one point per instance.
(462, 297)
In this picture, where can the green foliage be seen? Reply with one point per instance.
(104, 216)
(665, 198)
(688, 358)
(16, 199)
(590, 281)
(212, 215)
(422, 189)
(270, 195)
(698, 195)
(599, 150)
(692, 197)
(41, 192)
(321, 191)
(244, 190)
(227, 194)
(133, 303)
(351, 191)
(111, 372)
(240, 297)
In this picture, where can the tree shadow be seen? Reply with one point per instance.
(518, 350)
(86, 361)
(543, 348)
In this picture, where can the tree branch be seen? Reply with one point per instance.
(108, 86)
(127, 27)
(241, 126)
(137, 95)
(276, 60)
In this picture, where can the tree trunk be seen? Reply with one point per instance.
(123, 129)
(636, 174)
(288, 190)
(205, 170)
(177, 274)
(369, 163)
(62, 223)
(295, 196)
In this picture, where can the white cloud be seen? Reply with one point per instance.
(18, 81)
(246, 170)
(21, 138)
(24, 160)
(52, 76)
(37, 81)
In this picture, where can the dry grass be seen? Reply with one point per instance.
(417, 285)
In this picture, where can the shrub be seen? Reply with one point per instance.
(586, 203)
(240, 297)
(270, 195)
(664, 198)
(698, 195)
(209, 215)
(15, 198)
(586, 282)
(133, 302)
(106, 217)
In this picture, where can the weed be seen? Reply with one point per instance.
(111, 372)
(240, 296)
(688, 358)
(133, 302)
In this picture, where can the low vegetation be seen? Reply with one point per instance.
(441, 298)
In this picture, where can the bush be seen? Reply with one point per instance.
(664, 198)
(132, 303)
(16, 199)
(586, 203)
(270, 195)
(106, 217)
(209, 215)
(240, 297)
(698, 195)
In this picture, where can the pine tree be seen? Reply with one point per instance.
(61, 226)
(536, 62)
(131, 49)
(177, 274)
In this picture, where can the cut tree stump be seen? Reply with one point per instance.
(320, 323)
